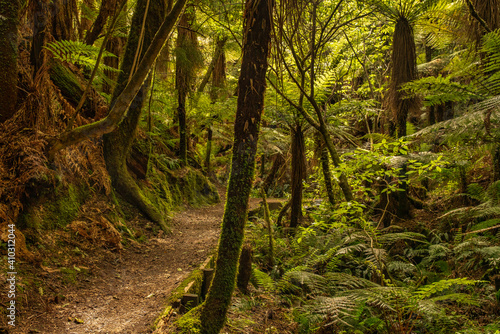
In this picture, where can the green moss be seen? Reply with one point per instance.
(196, 276)
(54, 210)
(165, 312)
(65, 208)
(190, 322)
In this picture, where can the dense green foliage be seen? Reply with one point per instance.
(379, 133)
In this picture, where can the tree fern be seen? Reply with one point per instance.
(78, 53)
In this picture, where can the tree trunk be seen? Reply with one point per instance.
(208, 153)
(108, 9)
(251, 88)
(267, 219)
(117, 144)
(72, 90)
(244, 268)
(325, 167)
(298, 175)
(85, 22)
(278, 162)
(440, 112)
(403, 210)
(218, 80)
(41, 19)
(9, 24)
(404, 69)
(123, 101)
(431, 109)
(187, 47)
(496, 163)
(219, 50)
(63, 14)
(116, 46)
(219, 74)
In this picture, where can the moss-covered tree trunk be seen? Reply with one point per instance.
(431, 116)
(72, 89)
(117, 144)
(298, 175)
(251, 88)
(9, 24)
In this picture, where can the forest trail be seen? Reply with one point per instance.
(125, 294)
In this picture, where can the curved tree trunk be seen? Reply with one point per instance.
(9, 22)
(124, 100)
(117, 144)
(251, 88)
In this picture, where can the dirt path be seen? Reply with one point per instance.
(128, 292)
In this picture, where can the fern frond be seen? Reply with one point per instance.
(77, 52)
(377, 256)
(439, 90)
(380, 297)
(390, 238)
(428, 290)
(297, 279)
(401, 267)
(459, 298)
(344, 281)
(332, 308)
(468, 127)
(263, 280)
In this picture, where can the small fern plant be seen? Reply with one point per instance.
(82, 55)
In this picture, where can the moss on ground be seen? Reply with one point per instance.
(172, 188)
(55, 210)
